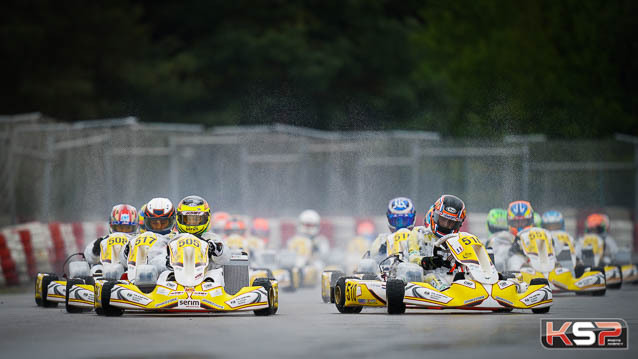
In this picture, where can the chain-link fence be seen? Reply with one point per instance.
(54, 171)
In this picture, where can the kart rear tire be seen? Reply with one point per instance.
(340, 297)
(272, 309)
(619, 285)
(107, 309)
(395, 293)
(70, 283)
(540, 310)
(539, 281)
(45, 288)
(333, 281)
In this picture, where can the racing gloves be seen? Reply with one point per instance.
(434, 262)
(96, 246)
(215, 248)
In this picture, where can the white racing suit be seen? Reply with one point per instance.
(421, 246)
(93, 258)
(610, 249)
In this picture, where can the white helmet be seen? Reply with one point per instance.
(309, 223)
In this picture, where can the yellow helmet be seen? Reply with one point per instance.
(193, 215)
(141, 227)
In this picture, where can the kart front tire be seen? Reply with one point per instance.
(395, 293)
(44, 290)
(540, 310)
(69, 284)
(107, 309)
(539, 281)
(272, 308)
(619, 285)
(339, 292)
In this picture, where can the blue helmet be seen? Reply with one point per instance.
(401, 213)
(553, 221)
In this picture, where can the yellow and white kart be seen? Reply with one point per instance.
(76, 292)
(189, 287)
(592, 254)
(477, 285)
(539, 261)
(267, 264)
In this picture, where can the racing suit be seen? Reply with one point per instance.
(93, 249)
(423, 253)
(218, 252)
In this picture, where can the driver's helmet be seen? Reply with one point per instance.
(366, 228)
(123, 219)
(553, 221)
(497, 220)
(159, 216)
(520, 216)
(309, 223)
(538, 221)
(140, 220)
(447, 216)
(235, 226)
(597, 223)
(193, 215)
(218, 221)
(260, 228)
(401, 214)
(427, 220)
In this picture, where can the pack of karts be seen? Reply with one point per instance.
(190, 285)
(474, 284)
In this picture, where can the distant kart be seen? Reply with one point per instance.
(477, 286)
(269, 264)
(592, 248)
(189, 287)
(539, 261)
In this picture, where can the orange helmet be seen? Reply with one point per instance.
(366, 228)
(218, 221)
(597, 223)
(260, 228)
(235, 226)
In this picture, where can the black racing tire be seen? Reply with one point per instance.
(99, 311)
(340, 297)
(619, 285)
(105, 298)
(539, 281)
(579, 270)
(292, 286)
(333, 281)
(540, 310)
(598, 293)
(45, 286)
(502, 310)
(89, 280)
(395, 293)
(70, 283)
(272, 309)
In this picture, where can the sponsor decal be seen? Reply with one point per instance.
(244, 299)
(208, 285)
(166, 303)
(466, 283)
(560, 271)
(590, 280)
(362, 301)
(584, 333)
(425, 293)
(537, 296)
(200, 294)
(215, 292)
(473, 300)
(189, 291)
(504, 284)
(163, 291)
(171, 285)
(131, 296)
(501, 299)
(177, 292)
(188, 304)
(351, 291)
(212, 304)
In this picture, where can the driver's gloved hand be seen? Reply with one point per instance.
(96, 246)
(215, 248)
(430, 263)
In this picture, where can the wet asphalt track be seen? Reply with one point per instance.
(303, 328)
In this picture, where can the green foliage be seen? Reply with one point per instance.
(464, 68)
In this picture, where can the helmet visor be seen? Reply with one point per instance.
(448, 224)
(600, 229)
(192, 218)
(553, 226)
(158, 224)
(399, 221)
(520, 222)
(123, 228)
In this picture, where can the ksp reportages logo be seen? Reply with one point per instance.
(584, 333)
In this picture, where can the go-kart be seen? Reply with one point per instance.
(538, 260)
(189, 287)
(76, 291)
(268, 264)
(592, 254)
(476, 285)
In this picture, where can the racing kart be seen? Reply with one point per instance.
(592, 254)
(76, 292)
(189, 287)
(268, 264)
(476, 285)
(539, 260)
